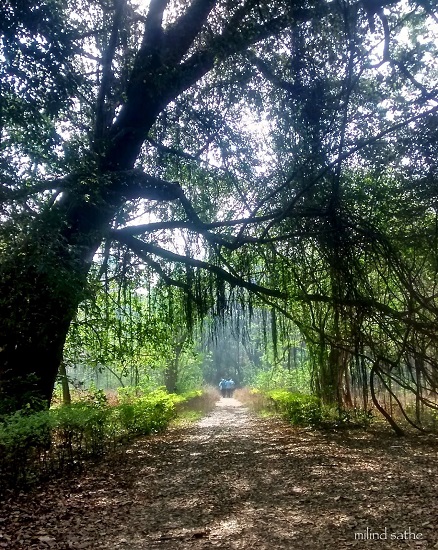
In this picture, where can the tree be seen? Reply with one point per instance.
(348, 257)
(44, 269)
(101, 116)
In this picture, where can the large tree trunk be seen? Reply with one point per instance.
(172, 371)
(31, 349)
(41, 286)
(171, 376)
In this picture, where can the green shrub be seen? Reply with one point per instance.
(81, 428)
(20, 430)
(32, 445)
(24, 440)
(299, 409)
(192, 394)
(25, 390)
(354, 417)
(147, 414)
(307, 410)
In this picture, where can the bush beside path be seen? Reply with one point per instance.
(234, 480)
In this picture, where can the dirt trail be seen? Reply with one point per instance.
(234, 480)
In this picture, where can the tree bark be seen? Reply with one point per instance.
(66, 396)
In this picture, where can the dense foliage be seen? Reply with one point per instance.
(167, 164)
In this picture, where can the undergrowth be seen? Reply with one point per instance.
(35, 446)
(303, 409)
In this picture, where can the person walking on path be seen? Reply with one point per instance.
(222, 387)
(229, 387)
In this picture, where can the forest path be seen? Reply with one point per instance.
(234, 480)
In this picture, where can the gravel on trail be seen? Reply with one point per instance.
(234, 480)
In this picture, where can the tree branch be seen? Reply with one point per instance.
(135, 184)
(266, 71)
(141, 247)
(166, 278)
(153, 31)
(155, 82)
(172, 150)
(102, 114)
(56, 184)
(181, 224)
(181, 35)
(221, 47)
(341, 157)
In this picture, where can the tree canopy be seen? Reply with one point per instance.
(250, 154)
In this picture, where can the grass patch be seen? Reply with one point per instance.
(253, 398)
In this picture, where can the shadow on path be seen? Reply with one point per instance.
(233, 480)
